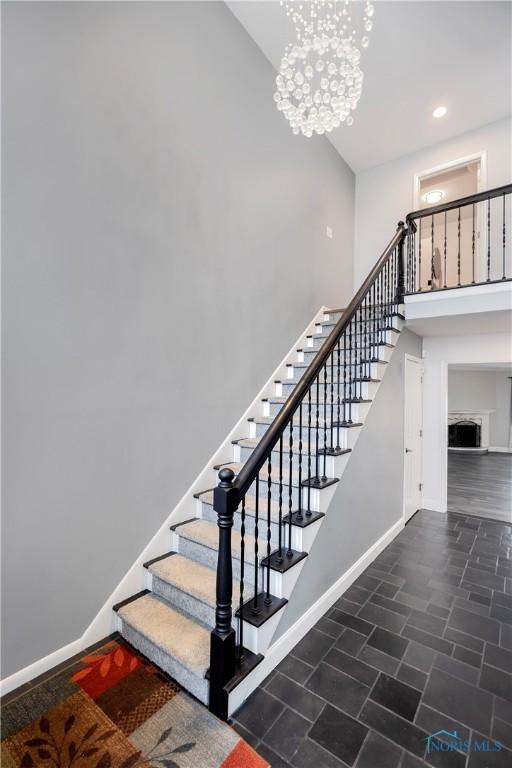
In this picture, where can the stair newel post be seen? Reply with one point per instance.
(223, 638)
(400, 287)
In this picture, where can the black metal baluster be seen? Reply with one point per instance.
(242, 584)
(289, 553)
(367, 353)
(324, 476)
(458, 248)
(373, 322)
(308, 511)
(268, 599)
(280, 503)
(332, 401)
(504, 240)
(299, 511)
(360, 351)
(338, 352)
(419, 256)
(489, 240)
(414, 262)
(255, 603)
(317, 427)
(432, 253)
(473, 245)
(350, 391)
(345, 376)
(409, 261)
(357, 356)
(445, 241)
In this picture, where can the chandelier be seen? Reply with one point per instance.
(320, 81)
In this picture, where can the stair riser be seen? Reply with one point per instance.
(242, 454)
(358, 412)
(389, 337)
(208, 513)
(317, 340)
(381, 352)
(198, 687)
(365, 389)
(374, 370)
(256, 639)
(186, 603)
(206, 556)
(262, 428)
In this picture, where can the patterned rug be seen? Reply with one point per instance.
(113, 709)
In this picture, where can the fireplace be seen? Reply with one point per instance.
(468, 431)
(464, 434)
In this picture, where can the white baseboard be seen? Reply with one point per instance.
(499, 449)
(40, 666)
(104, 623)
(284, 644)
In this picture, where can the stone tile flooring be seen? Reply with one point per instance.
(421, 642)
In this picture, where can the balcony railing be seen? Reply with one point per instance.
(464, 242)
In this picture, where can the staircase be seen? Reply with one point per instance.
(171, 622)
(251, 556)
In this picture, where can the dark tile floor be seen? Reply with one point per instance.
(422, 641)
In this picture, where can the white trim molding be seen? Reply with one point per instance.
(449, 166)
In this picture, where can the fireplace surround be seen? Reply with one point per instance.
(468, 431)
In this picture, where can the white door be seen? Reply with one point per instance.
(412, 435)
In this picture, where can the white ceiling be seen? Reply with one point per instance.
(421, 55)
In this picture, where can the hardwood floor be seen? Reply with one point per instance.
(481, 485)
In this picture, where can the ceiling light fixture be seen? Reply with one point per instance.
(439, 112)
(320, 81)
(434, 196)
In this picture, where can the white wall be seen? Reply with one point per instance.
(484, 390)
(384, 194)
(439, 353)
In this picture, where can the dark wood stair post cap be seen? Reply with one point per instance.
(226, 477)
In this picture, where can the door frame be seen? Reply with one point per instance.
(480, 157)
(411, 358)
(422, 175)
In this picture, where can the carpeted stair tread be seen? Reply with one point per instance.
(190, 577)
(207, 534)
(174, 634)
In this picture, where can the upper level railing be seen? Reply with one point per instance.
(460, 243)
(292, 460)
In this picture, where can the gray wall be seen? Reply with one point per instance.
(164, 244)
(369, 499)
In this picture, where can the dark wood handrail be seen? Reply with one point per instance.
(252, 466)
(489, 194)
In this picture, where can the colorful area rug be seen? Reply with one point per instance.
(113, 709)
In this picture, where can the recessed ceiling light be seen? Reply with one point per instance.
(439, 112)
(434, 196)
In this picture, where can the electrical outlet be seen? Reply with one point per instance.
(328, 232)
